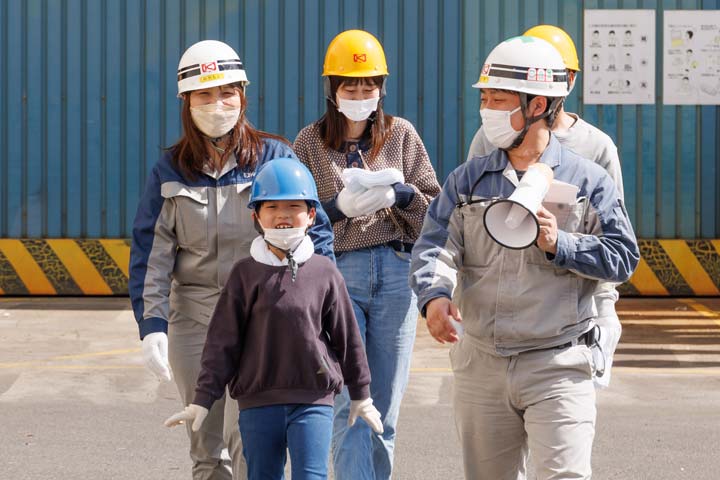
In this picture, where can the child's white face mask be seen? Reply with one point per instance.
(215, 120)
(357, 110)
(284, 238)
(497, 127)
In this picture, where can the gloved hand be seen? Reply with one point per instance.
(365, 410)
(610, 330)
(608, 340)
(155, 355)
(193, 412)
(346, 202)
(359, 179)
(376, 198)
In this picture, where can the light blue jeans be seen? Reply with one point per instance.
(268, 432)
(386, 312)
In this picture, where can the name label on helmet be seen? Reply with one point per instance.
(544, 75)
(540, 75)
(359, 58)
(211, 77)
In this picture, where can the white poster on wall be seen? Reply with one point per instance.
(619, 57)
(691, 57)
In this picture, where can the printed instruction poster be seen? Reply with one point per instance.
(691, 57)
(619, 57)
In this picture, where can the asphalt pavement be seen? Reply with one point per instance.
(76, 402)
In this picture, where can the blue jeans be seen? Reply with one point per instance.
(304, 430)
(386, 312)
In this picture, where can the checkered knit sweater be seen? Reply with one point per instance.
(403, 150)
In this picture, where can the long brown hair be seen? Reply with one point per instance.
(190, 152)
(333, 124)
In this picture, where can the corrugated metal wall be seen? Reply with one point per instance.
(87, 97)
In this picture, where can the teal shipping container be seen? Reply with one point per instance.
(88, 98)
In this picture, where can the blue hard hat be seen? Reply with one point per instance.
(283, 179)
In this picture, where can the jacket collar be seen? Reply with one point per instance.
(210, 171)
(498, 160)
(260, 251)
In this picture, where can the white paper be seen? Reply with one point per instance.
(359, 179)
(691, 57)
(561, 192)
(459, 329)
(619, 57)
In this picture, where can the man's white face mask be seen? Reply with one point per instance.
(497, 127)
(215, 120)
(357, 110)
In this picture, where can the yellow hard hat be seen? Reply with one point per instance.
(560, 40)
(355, 53)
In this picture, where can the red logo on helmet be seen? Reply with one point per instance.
(208, 67)
(359, 58)
(486, 69)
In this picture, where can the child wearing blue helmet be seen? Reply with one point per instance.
(283, 337)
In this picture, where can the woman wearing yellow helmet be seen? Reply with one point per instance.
(375, 180)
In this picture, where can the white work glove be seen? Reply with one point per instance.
(365, 410)
(609, 334)
(359, 179)
(375, 199)
(608, 341)
(346, 202)
(193, 412)
(155, 355)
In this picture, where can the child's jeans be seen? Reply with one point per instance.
(304, 430)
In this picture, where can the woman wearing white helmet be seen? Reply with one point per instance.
(191, 228)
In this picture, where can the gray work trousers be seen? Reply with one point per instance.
(216, 449)
(543, 401)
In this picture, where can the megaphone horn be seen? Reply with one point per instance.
(512, 222)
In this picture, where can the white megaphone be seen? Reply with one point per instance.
(512, 222)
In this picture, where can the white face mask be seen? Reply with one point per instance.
(215, 120)
(497, 127)
(357, 110)
(284, 238)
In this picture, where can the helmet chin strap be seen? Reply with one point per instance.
(550, 114)
(292, 264)
(214, 142)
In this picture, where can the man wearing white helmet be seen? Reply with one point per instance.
(523, 367)
(190, 229)
(589, 142)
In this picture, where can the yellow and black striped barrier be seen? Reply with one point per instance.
(100, 267)
(681, 268)
(64, 266)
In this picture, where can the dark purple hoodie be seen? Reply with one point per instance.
(275, 341)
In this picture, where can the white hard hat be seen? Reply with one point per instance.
(527, 65)
(209, 64)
